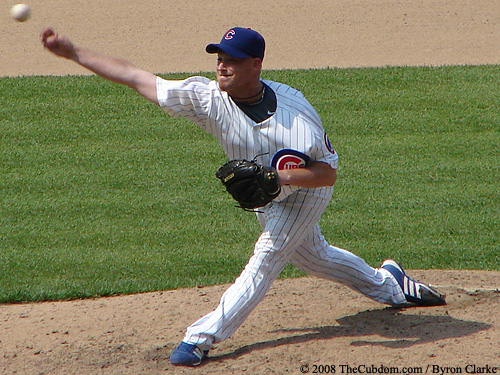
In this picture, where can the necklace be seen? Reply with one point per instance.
(261, 92)
(261, 98)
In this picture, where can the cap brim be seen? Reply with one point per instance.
(215, 48)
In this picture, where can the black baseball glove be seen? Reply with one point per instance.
(252, 185)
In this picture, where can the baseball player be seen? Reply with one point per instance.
(274, 123)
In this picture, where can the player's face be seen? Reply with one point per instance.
(238, 77)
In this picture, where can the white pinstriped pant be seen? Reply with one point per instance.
(290, 234)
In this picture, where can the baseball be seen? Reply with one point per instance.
(20, 12)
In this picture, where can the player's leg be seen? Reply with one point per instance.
(239, 300)
(387, 284)
(317, 258)
(235, 305)
(286, 225)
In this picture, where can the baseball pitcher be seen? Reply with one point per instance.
(281, 165)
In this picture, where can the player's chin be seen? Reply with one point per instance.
(224, 82)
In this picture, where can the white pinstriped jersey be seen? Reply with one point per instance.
(295, 125)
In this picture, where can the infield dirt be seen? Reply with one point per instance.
(302, 321)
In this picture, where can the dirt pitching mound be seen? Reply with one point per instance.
(302, 323)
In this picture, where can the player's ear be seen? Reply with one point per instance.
(257, 63)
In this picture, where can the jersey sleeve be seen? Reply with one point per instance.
(300, 142)
(325, 152)
(190, 98)
(298, 129)
(309, 145)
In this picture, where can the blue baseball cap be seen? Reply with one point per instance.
(241, 43)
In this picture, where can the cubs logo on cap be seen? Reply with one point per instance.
(229, 35)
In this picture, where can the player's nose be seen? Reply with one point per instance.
(220, 65)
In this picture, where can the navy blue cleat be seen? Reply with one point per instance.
(415, 292)
(187, 355)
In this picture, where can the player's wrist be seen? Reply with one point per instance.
(284, 177)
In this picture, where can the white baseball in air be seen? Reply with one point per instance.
(20, 12)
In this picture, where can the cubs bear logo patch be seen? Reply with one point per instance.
(289, 159)
(328, 144)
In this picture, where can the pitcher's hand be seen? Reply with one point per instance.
(57, 44)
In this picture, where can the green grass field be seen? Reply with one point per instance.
(101, 193)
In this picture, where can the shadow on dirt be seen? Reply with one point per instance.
(388, 327)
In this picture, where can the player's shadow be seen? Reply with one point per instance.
(388, 328)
